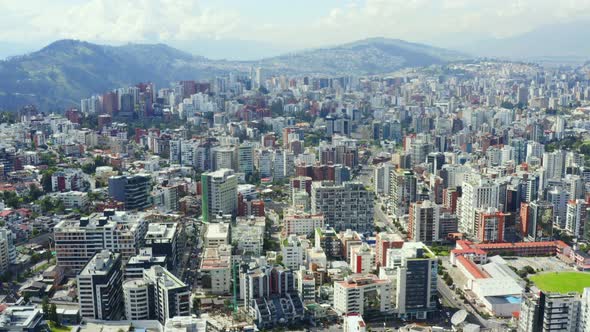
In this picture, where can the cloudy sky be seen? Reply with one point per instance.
(276, 25)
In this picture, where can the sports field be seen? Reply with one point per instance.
(561, 282)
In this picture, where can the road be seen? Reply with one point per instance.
(451, 297)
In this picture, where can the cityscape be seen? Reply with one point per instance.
(376, 185)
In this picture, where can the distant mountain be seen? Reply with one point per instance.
(563, 42)
(62, 73)
(364, 57)
(65, 71)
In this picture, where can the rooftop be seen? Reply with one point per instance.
(161, 231)
(217, 230)
(101, 263)
(20, 316)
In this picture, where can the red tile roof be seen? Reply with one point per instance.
(472, 268)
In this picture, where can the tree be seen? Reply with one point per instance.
(34, 193)
(47, 159)
(11, 199)
(45, 307)
(46, 180)
(53, 317)
(46, 204)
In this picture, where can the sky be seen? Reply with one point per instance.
(274, 26)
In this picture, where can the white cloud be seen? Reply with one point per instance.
(185, 20)
(426, 20)
(114, 20)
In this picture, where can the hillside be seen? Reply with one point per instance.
(62, 73)
(65, 71)
(364, 57)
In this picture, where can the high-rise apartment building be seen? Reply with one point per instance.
(246, 158)
(219, 193)
(100, 292)
(414, 274)
(478, 193)
(491, 225)
(403, 190)
(133, 190)
(142, 261)
(76, 241)
(7, 249)
(548, 312)
(164, 239)
(537, 220)
(159, 295)
(575, 220)
(423, 223)
(346, 206)
(554, 164)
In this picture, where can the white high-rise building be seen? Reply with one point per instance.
(136, 298)
(559, 127)
(477, 194)
(382, 178)
(159, 295)
(288, 163)
(223, 157)
(360, 293)
(584, 314)
(559, 198)
(293, 251)
(216, 270)
(362, 259)
(300, 223)
(575, 218)
(258, 78)
(219, 193)
(76, 241)
(534, 150)
(548, 312)
(554, 164)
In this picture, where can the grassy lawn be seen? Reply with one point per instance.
(562, 282)
(58, 328)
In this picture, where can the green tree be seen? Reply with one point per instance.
(45, 307)
(46, 204)
(48, 159)
(53, 317)
(34, 193)
(46, 180)
(11, 199)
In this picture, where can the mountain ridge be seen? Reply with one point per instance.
(61, 73)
